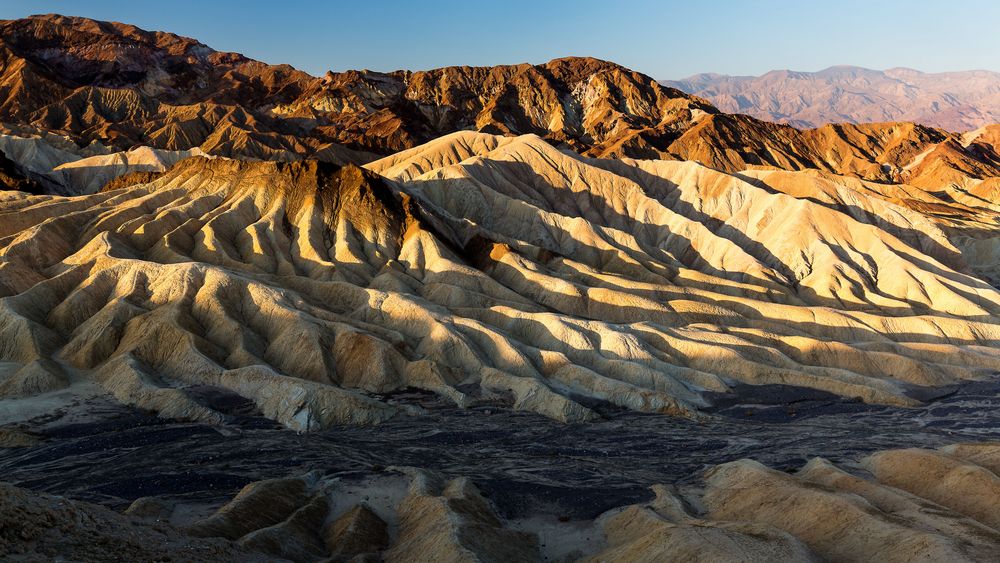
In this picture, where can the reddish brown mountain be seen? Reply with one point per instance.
(124, 87)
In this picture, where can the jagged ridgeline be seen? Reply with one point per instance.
(101, 89)
(482, 267)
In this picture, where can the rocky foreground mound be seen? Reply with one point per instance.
(899, 505)
(485, 267)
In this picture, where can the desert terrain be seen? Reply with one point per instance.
(551, 312)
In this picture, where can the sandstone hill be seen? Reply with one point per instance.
(482, 267)
(955, 101)
(899, 505)
(53, 164)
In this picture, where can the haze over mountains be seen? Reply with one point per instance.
(213, 239)
(954, 101)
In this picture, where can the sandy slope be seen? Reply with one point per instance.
(63, 168)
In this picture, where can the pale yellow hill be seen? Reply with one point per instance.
(88, 175)
(499, 266)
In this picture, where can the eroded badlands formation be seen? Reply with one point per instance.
(482, 267)
(214, 239)
(899, 505)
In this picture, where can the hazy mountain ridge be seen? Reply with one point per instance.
(954, 101)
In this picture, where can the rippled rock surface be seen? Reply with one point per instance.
(483, 269)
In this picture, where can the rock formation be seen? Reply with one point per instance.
(844, 517)
(53, 164)
(488, 267)
(40, 527)
(123, 86)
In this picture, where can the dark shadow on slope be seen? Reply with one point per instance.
(689, 257)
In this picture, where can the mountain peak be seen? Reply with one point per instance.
(175, 93)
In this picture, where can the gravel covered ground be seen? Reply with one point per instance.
(93, 449)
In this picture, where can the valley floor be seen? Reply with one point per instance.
(549, 477)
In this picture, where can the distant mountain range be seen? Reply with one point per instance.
(956, 101)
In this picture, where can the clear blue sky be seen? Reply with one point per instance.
(666, 39)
